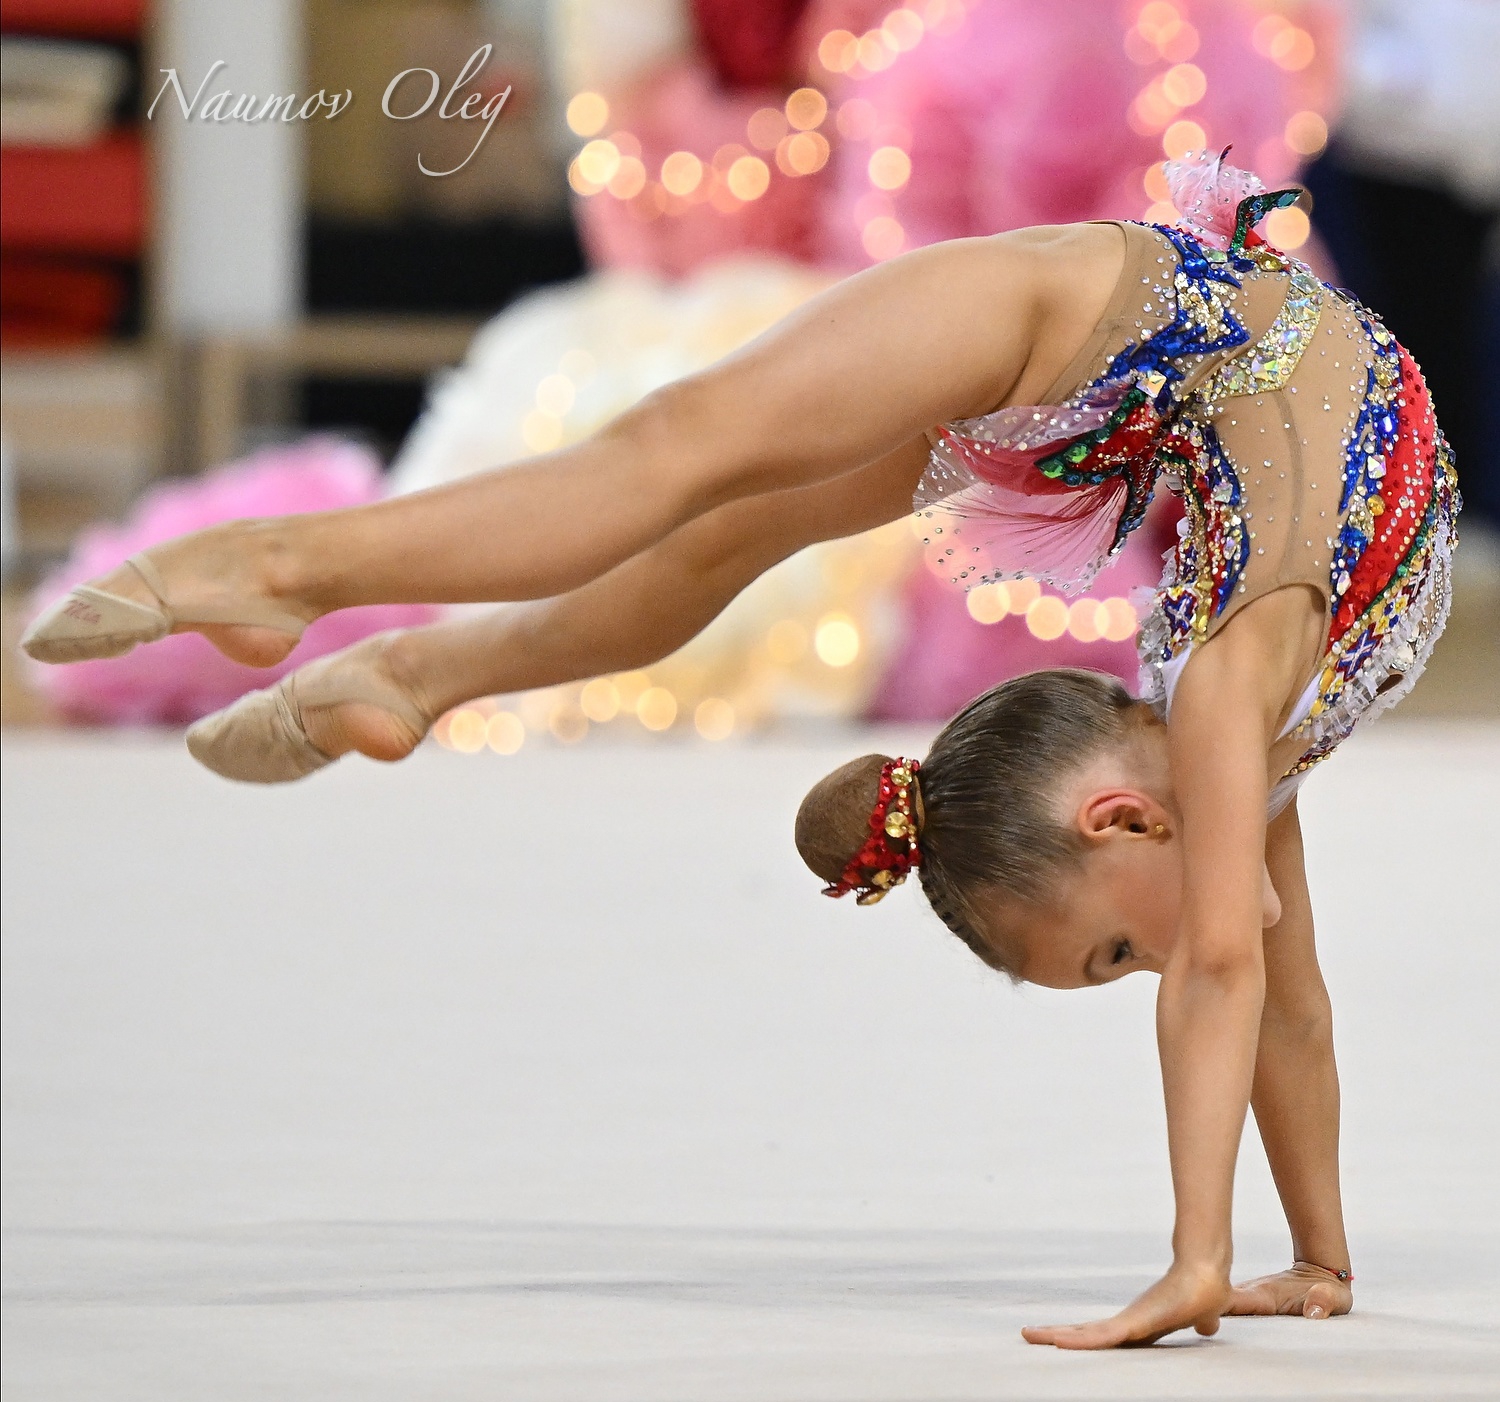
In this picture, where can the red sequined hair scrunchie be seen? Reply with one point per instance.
(891, 850)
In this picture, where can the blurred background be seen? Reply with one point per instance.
(250, 267)
(550, 1075)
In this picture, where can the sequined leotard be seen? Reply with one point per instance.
(1299, 434)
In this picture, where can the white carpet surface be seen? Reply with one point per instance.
(553, 1079)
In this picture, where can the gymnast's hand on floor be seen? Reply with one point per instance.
(1306, 1289)
(1186, 1297)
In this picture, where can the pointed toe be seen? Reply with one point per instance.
(88, 622)
(261, 739)
(258, 740)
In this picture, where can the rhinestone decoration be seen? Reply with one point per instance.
(1268, 365)
(1137, 422)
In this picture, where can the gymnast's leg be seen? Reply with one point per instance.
(629, 617)
(939, 333)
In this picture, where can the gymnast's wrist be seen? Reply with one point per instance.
(1337, 1268)
(1327, 1250)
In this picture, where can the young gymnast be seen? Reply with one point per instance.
(1031, 388)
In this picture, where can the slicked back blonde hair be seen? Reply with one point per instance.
(988, 788)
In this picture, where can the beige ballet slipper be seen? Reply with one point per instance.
(88, 622)
(260, 739)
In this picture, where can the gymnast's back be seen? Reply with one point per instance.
(1297, 431)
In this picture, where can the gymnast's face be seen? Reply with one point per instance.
(1118, 912)
(1116, 916)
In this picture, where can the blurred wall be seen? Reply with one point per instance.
(230, 238)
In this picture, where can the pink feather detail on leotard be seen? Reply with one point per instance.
(1207, 191)
(992, 515)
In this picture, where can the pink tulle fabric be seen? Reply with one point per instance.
(1207, 191)
(182, 677)
(1014, 528)
(1000, 518)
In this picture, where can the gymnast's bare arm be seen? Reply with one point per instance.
(1295, 1097)
(1229, 704)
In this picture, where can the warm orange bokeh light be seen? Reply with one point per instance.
(802, 153)
(836, 640)
(903, 29)
(838, 51)
(681, 172)
(629, 180)
(1086, 620)
(883, 237)
(889, 168)
(1120, 621)
(1184, 84)
(1182, 139)
(988, 603)
(587, 113)
(765, 128)
(1047, 618)
(466, 731)
(875, 53)
(1152, 108)
(1287, 228)
(600, 700)
(806, 108)
(1293, 49)
(748, 178)
(657, 708)
(1158, 21)
(1023, 593)
(504, 733)
(1306, 133)
(598, 161)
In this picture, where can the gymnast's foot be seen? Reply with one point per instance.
(221, 582)
(356, 700)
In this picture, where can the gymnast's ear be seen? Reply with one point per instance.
(1121, 812)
